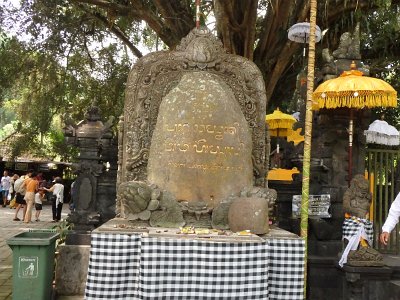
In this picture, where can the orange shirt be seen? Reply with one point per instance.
(32, 185)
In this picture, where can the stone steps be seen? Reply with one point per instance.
(394, 288)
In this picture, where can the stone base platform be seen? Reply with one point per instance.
(129, 259)
(132, 261)
(123, 226)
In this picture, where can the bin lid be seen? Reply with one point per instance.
(32, 238)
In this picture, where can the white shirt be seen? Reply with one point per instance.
(393, 217)
(5, 182)
(59, 192)
(38, 199)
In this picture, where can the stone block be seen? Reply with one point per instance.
(72, 264)
(249, 214)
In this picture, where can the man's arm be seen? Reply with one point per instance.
(391, 221)
(384, 237)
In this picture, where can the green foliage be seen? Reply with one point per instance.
(381, 28)
(59, 146)
(40, 82)
(63, 227)
(6, 130)
(68, 54)
(390, 74)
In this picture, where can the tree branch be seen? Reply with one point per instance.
(338, 9)
(165, 33)
(114, 29)
(119, 34)
(176, 16)
(275, 20)
(250, 30)
(122, 10)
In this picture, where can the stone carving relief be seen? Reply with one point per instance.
(357, 198)
(356, 203)
(241, 211)
(340, 59)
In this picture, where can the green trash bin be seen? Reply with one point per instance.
(33, 264)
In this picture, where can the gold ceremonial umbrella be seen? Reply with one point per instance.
(279, 124)
(279, 132)
(353, 90)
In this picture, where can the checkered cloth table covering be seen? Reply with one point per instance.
(161, 268)
(192, 269)
(351, 226)
(113, 266)
(285, 268)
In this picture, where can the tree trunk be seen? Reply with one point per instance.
(236, 25)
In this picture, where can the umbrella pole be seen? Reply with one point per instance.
(277, 140)
(350, 145)
(278, 163)
(304, 50)
(307, 138)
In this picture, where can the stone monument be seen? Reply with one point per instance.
(193, 139)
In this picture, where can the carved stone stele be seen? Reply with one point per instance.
(201, 146)
(194, 123)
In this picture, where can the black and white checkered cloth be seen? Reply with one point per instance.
(286, 268)
(352, 225)
(192, 269)
(113, 266)
(163, 268)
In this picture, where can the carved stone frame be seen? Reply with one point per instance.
(155, 74)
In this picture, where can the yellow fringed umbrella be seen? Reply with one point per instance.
(279, 120)
(279, 132)
(353, 90)
(279, 124)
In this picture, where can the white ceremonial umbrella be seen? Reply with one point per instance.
(300, 33)
(380, 132)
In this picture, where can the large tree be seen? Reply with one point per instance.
(256, 29)
(79, 36)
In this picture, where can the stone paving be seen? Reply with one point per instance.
(8, 229)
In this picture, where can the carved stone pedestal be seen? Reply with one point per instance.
(366, 283)
(72, 265)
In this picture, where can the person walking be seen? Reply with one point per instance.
(5, 186)
(32, 186)
(391, 221)
(12, 185)
(57, 198)
(20, 189)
